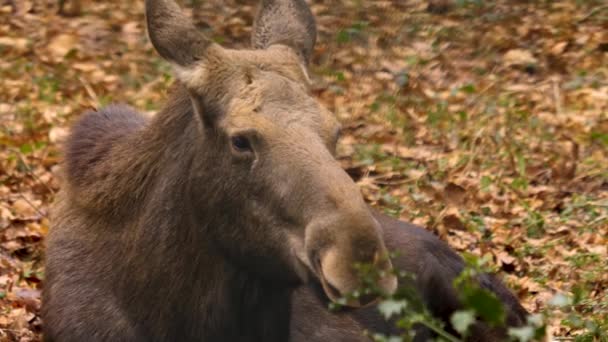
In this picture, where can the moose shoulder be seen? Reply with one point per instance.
(226, 211)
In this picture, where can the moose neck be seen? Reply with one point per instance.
(211, 297)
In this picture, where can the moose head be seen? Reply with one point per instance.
(265, 179)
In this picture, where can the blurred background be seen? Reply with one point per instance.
(485, 122)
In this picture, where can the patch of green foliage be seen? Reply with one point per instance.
(406, 308)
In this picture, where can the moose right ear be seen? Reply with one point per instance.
(174, 36)
(286, 22)
(191, 54)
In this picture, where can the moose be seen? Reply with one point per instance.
(226, 217)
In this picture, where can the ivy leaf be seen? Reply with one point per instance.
(485, 305)
(560, 300)
(522, 334)
(462, 320)
(390, 307)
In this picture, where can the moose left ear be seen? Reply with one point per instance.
(286, 22)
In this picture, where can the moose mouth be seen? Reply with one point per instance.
(335, 296)
(309, 267)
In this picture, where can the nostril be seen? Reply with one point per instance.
(315, 261)
(330, 289)
(333, 291)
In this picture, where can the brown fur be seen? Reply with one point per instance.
(288, 23)
(168, 230)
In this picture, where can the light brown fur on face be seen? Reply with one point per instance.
(267, 89)
(277, 106)
(265, 97)
(230, 65)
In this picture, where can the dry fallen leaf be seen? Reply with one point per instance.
(454, 194)
(519, 57)
(19, 44)
(476, 151)
(61, 44)
(559, 48)
(58, 134)
(23, 209)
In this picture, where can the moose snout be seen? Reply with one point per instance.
(340, 278)
(335, 253)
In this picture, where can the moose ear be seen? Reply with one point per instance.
(286, 22)
(173, 35)
(192, 55)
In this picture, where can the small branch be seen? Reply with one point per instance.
(592, 13)
(449, 337)
(598, 220)
(557, 96)
(31, 172)
(32, 205)
(90, 92)
(481, 92)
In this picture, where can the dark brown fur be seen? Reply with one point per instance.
(167, 280)
(164, 231)
(99, 135)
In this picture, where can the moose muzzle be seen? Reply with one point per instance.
(338, 247)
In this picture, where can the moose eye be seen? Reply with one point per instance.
(241, 143)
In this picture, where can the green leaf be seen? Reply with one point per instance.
(26, 149)
(560, 300)
(382, 338)
(519, 183)
(390, 307)
(485, 305)
(462, 320)
(340, 76)
(522, 334)
(343, 36)
(535, 320)
(600, 137)
(485, 183)
(469, 88)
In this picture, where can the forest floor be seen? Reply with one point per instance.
(486, 124)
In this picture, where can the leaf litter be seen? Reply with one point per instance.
(484, 122)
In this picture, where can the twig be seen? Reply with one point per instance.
(598, 220)
(557, 97)
(478, 95)
(447, 336)
(395, 182)
(592, 13)
(31, 205)
(475, 149)
(31, 172)
(90, 92)
(11, 330)
(386, 180)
